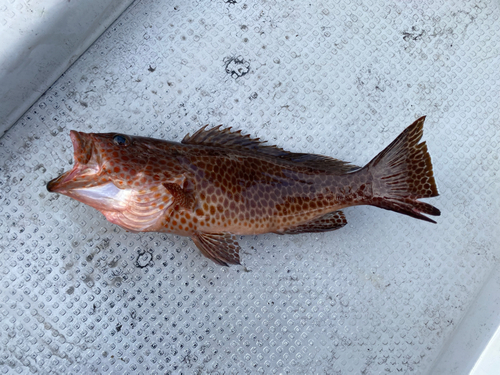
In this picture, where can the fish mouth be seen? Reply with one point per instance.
(82, 172)
(55, 185)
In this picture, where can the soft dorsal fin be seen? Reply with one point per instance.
(235, 140)
(325, 163)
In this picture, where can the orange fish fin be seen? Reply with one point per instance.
(235, 140)
(222, 248)
(330, 221)
(181, 197)
(402, 173)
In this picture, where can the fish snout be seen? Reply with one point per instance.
(52, 185)
(57, 185)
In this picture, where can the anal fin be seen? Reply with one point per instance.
(222, 248)
(330, 221)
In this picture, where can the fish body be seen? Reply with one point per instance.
(217, 184)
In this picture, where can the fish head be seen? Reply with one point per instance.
(108, 168)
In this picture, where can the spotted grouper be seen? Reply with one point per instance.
(219, 183)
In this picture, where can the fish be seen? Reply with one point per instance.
(219, 184)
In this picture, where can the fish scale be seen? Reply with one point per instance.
(217, 184)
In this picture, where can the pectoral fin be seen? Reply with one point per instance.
(182, 191)
(222, 248)
(180, 197)
(330, 221)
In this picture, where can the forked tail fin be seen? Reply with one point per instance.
(402, 173)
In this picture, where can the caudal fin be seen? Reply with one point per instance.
(402, 173)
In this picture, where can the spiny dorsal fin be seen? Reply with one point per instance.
(228, 139)
(235, 140)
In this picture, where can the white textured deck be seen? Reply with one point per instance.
(385, 294)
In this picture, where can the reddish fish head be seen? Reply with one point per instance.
(108, 168)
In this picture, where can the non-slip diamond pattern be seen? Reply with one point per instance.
(381, 295)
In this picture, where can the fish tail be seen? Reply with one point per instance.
(402, 173)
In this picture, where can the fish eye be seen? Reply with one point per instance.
(121, 140)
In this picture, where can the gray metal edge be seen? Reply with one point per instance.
(474, 332)
(32, 65)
